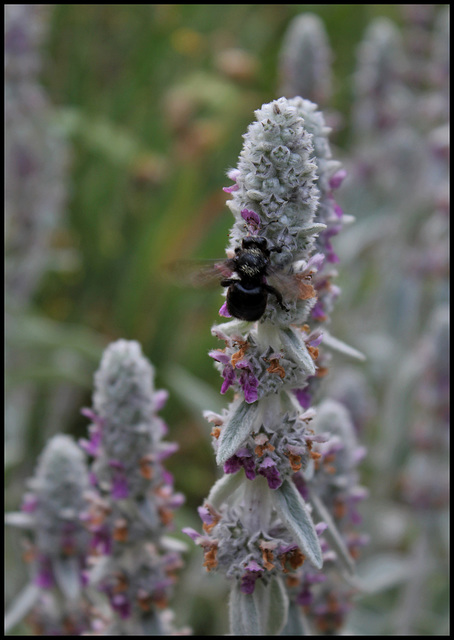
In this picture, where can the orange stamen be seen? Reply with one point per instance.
(121, 583)
(313, 352)
(292, 581)
(295, 461)
(215, 518)
(210, 557)
(275, 367)
(120, 532)
(294, 557)
(239, 355)
(340, 509)
(146, 469)
(267, 557)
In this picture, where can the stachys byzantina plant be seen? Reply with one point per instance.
(132, 500)
(257, 526)
(56, 544)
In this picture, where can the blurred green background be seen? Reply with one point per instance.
(154, 105)
(155, 112)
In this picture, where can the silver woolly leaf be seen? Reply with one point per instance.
(244, 617)
(271, 601)
(335, 344)
(67, 575)
(293, 512)
(21, 605)
(236, 430)
(223, 488)
(296, 624)
(294, 344)
(20, 520)
(333, 535)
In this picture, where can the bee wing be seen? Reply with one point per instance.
(292, 286)
(200, 273)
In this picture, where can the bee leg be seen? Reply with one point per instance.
(227, 282)
(277, 295)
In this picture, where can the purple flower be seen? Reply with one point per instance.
(224, 312)
(234, 187)
(120, 489)
(315, 262)
(176, 501)
(92, 445)
(248, 382)
(228, 374)
(167, 449)
(91, 415)
(44, 578)
(242, 458)
(304, 398)
(320, 527)
(269, 470)
(205, 515)
(192, 533)
(338, 210)
(29, 503)
(249, 468)
(337, 179)
(315, 338)
(253, 572)
(315, 578)
(102, 541)
(121, 605)
(232, 465)
(318, 313)
(252, 219)
(304, 597)
(160, 398)
(233, 175)
(219, 356)
(301, 485)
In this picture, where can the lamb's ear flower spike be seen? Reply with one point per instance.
(132, 500)
(258, 528)
(36, 177)
(321, 599)
(424, 476)
(305, 60)
(424, 481)
(381, 100)
(58, 547)
(334, 462)
(36, 155)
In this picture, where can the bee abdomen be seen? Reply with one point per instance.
(246, 304)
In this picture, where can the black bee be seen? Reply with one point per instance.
(245, 274)
(247, 294)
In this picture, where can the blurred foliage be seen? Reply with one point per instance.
(155, 105)
(154, 100)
